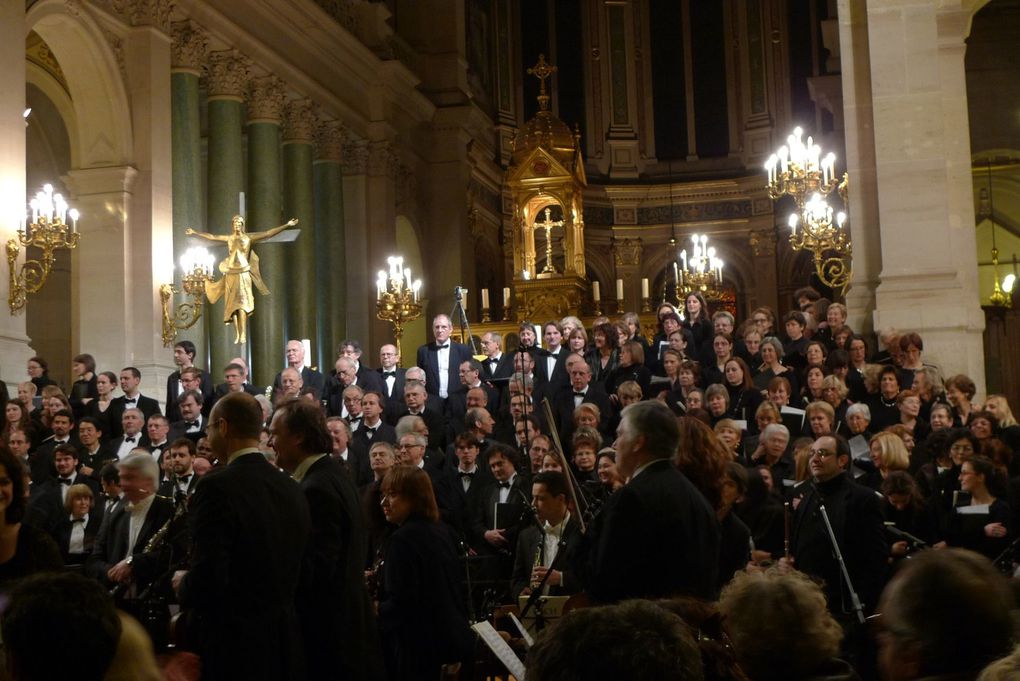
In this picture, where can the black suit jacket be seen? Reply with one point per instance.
(245, 514)
(395, 398)
(384, 433)
(532, 540)
(168, 488)
(483, 515)
(563, 409)
(434, 420)
(41, 461)
(336, 618)
(103, 456)
(46, 506)
(558, 378)
(428, 359)
(504, 367)
(656, 537)
(115, 411)
(357, 465)
(173, 384)
(111, 546)
(454, 503)
(180, 429)
(62, 536)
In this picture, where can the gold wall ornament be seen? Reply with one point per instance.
(240, 271)
(800, 170)
(196, 266)
(398, 299)
(48, 232)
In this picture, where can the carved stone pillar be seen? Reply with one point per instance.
(763, 291)
(298, 202)
(227, 76)
(330, 240)
(266, 99)
(627, 257)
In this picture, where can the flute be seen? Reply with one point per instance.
(786, 529)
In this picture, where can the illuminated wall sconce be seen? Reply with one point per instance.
(48, 232)
(196, 265)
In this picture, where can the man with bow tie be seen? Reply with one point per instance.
(393, 377)
(46, 507)
(580, 390)
(373, 429)
(41, 462)
(182, 477)
(130, 379)
(192, 424)
(556, 532)
(491, 534)
(497, 364)
(457, 488)
(131, 427)
(442, 358)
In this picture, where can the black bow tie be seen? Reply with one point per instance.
(577, 394)
(129, 438)
(387, 374)
(442, 347)
(191, 424)
(353, 419)
(464, 474)
(184, 478)
(130, 400)
(505, 485)
(66, 481)
(78, 520)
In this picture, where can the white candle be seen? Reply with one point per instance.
(596, 291)
(644, 288)
(619, 289)
(485, 299)
(506, 296)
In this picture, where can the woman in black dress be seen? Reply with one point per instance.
(84, 389)
(987, 530)
(422, 612)
(24, 549)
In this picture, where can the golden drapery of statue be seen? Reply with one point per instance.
(240, 270)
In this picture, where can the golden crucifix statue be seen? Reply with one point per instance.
(547, 225)
(240, 270)
(542, 70)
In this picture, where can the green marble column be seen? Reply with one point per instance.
(298, 202)
(188, 53)
(331, 265)
(227, 77)
(266, 97)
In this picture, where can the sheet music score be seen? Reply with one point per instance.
(500, 649)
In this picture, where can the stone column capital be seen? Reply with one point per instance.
(189, 47)
(330, 140)
(154, 13)
(355, 157)
(299, 121)
(267, 97)
(226, 74)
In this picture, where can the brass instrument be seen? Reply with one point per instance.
(155, 541)
(537, 563)
(786, 530)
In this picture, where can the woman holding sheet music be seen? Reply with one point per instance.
(982, 522)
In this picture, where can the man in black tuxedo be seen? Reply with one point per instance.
(336, 618)
(441, 359)
(497, 364)
(556, 532)
(245, 514)
(470, 376)
(550, 362)
(181, 456)
(657, 536)
(235, 380)
(184, 358)
(392, 376)
(416, 403)
(580, 390)
(118, 556)
(131, 437)
(508, 487)
(191, 379)
(457, 487)
(364, 377)
(130, 378)
(296, 360)
(192, 424)
(158, 431)
(41, 461)
(352, 456)
(46, 507)
(372, 427)
(93, 453)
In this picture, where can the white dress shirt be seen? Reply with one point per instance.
(443, 359)
(77, 543)
(137, 519)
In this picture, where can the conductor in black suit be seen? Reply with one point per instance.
(441, 359)
(657, 536)
(249, 525)
(337, 622)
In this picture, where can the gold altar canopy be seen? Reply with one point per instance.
(546, 180)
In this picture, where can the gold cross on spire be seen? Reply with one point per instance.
(542, 70)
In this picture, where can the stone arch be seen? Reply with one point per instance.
(102, 125)
(408, 246)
